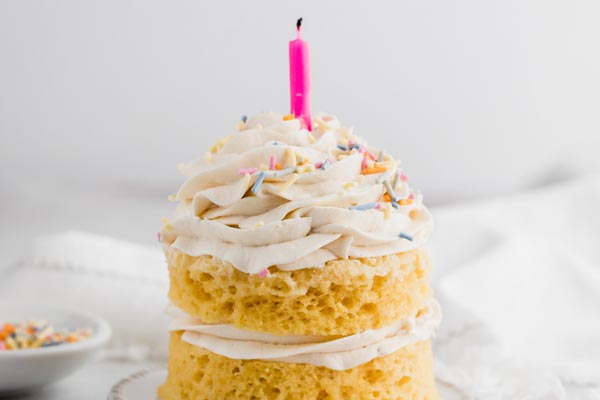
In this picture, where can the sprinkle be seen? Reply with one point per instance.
(396, 179)
(369, 154)
(244, 171)
(342, 147)
(374, 170)
(36, 334)
(405, 202)
(288, 117)
(272, 162)
(164, 220)
(386, 197)
(288, 183)
(378, 206)
(406, 236)
(349, 185)
(363, 207)
(171, 197)
(395, 205)
(259, 181)
(282, 172)
(278, 166)
(259, 224)
(325, 164)
(158, 235)
(318, 165)
(411, 196)
(181, 167)
(263, 273)
(365, 163)
(380, 156)
(244, 118)
(311, 138)
(403, 177)
(384, 177)
(390, 191)
(387, 211)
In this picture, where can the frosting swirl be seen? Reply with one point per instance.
(275, 194)
(331, 352)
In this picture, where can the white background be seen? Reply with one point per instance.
(100, 100)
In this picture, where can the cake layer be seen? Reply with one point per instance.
(196, 373)
(343, 297)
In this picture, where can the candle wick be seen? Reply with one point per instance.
(298, 24)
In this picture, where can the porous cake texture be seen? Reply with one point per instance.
(343, 297)
(196, 373)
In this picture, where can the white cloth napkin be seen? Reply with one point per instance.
(125, 283)
(528, 269)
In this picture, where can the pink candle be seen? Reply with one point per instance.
(300, 78)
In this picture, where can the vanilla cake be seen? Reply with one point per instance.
(298, 270)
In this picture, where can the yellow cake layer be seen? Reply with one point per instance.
(343, 297)
(198, 374)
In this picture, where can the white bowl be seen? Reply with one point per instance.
(22, 370)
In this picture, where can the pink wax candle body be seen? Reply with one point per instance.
(300, 79)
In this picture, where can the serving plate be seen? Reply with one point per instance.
(143, 385)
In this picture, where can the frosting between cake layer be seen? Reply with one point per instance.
(277, 194)
(337, 353)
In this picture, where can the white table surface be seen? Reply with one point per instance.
(92, 382)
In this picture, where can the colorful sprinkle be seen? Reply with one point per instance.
(342, 147)
(405, 202)
(244, 118)
(387, 211)
(288, 183)
(259, 181)
(263, 273)
(288, 117)
(158, 235)
(272, 162)
(406, 236)
(171, 197)
(390, 191)
(396, 179)
(282, 172)
(363, 207)
(403, 177)
(244, 171)
(376, 169)
(395, 205)
(378, 206)
(36, 334)
(365, 163)
(325, 164)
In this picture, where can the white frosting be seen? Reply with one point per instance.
(299, 216)
(331, 352)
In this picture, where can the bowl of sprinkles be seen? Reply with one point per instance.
(40, 345)
(37, 334)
